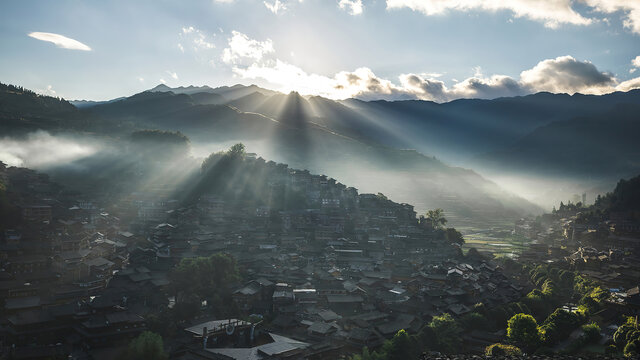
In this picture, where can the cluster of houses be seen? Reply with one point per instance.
(604, 250)
(347, 270)
(55, 266)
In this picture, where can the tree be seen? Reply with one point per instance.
(454, 236)
(147, 346)
(238, 150)
(558, 325)
(591, 333)
(474, 321)
(400, 347)
(447, 333)
(203, 278)
(436, 218)
(632, 347)
(522, 330)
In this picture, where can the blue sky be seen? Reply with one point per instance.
(392, 49)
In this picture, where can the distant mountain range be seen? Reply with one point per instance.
(361, 142)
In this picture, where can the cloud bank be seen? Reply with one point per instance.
(60, 41)
(552, 13)
(256, 60)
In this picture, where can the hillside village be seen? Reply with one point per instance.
(240, 257)
(348, 270)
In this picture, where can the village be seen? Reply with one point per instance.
(349, 270)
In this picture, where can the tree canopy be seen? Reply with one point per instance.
(436, 218)
(147, 346)
(522, 330)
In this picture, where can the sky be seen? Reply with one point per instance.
(437, 50)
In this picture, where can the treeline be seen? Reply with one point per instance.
(194, 283)
(626, 339)
(554, 287)
(442, 334)
(625, 197)
(230, 176)
(20, 100)
(534, 324)
(160, 145)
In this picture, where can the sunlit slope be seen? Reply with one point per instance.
(300, 132)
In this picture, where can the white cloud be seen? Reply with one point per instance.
(630, 10)
(162, 81)
(242, 48)
(629, 85)
(60, 41)
(636, 62)
(172, 74)
(353, 7)
(197, 38)
(567, 75)
(551, 12)
(252, 59)
(276, 7)
(223, 1)
(47, 91)
(140, 79)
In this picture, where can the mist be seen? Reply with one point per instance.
(41, 150)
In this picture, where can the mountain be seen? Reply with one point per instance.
(88, 103)
(323, 136)
(603, 145)
(23, 110)
(460, 130)
(182, 89)
(228, 92)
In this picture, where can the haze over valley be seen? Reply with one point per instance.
(312, 179)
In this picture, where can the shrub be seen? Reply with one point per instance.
(502, 350)
(591, 333)
(522, 330)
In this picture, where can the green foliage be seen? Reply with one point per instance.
(631, 348)
(224, 158)
(401, 347)
(558, 326)
(199, 278)
(591, 333)
(435, 218)
(159, 145)
(239, 181)
(147, 346)
(447, 333)
(237, 150)
(473, 253)
(522, 330)
(454, 236)
(159, 137)
(16, 99)
(627, 337)
(441, 334)
(474, 321)
(502, 350)
(625, 197)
